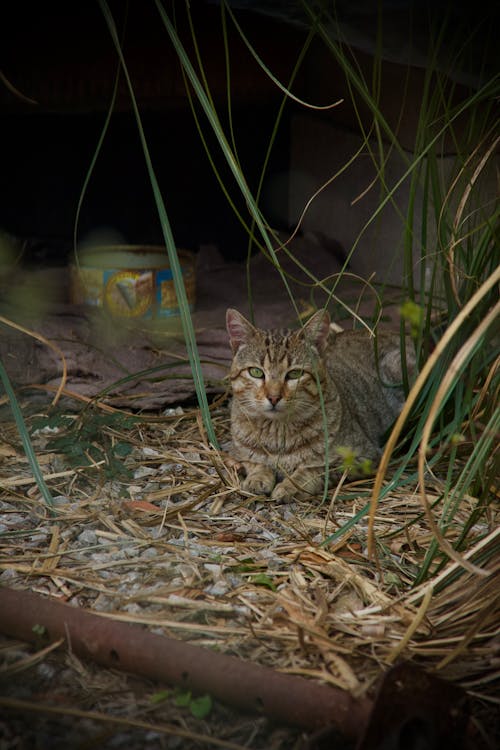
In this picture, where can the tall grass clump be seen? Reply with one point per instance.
(450, 282)
(450, 244)
(446, 436)
(449, 232)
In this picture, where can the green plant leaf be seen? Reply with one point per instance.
(160, 696)
(122, 450)
(262, 579)
(182, 698)
(201, 707)
(25, 438)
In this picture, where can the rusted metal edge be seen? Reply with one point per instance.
(246, 686)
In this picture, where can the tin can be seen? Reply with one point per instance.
(131, 281)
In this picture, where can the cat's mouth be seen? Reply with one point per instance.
(274, 410)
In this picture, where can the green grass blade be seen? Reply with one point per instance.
(223, 143)
(25, 438)
(92, 164)
(180, 290)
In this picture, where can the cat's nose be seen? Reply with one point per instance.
(274, 399)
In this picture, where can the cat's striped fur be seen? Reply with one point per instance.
(291, 388)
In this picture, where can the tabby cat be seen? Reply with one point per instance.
(289, 385)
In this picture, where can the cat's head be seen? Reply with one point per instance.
(275, 373)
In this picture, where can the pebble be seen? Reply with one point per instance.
(100, 557)
(170, 468)
(151, 487)
(9, 574)
(275, 563)
(127, 552)
(60, 500)
(144, 471)
(243, 529)
(13, 520)
(217, 589)
(268, 534)
(149, 553)
(286, 513)
(39, 538)
(214, 568)
(46, 431)
(87, 537)
(46, 671)
(151, 452)
(192, 457)
(173, 412)
(5, 506)
(134, 489)
(102, 603)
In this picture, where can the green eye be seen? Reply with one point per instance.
(256, 372)
(293, 374)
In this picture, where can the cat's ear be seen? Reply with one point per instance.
(238, 328)
(317, 329)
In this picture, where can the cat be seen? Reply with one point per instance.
(289, 388)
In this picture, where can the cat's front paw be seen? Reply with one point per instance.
(299, 487)
(259, 481)
(284, 492)
(287, 491)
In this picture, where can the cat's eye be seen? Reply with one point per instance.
(256, 372)
(294, 374)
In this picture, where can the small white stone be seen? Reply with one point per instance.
(214, 569)
(217, 589)
(87, 537)
(9, 574)
(149, 553)
(46, 431)
(46, 671)
(60, 500)
(151, 452)
(192, 457)
(38, 538)
(144, 471)
(178, 411)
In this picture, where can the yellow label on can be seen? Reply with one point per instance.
(129, 293)
(145, 288)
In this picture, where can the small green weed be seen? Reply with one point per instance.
(352, 464)
(199, 707)
(90, 438)
(262, 579)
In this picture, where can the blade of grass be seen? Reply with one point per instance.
(92, 164)
(285, 89)
(223, 143)
(491, 282)
(25, 438)
(446, 384)
(487, 90)
(180, 290)
(50, 345)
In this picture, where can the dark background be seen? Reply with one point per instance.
(61, 55)
(60, 59)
